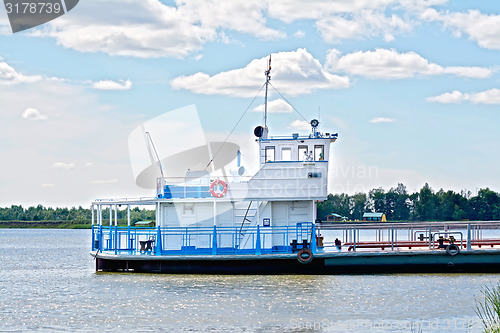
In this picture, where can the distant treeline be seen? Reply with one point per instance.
(61, 215)
(397, 204)
(426, 205)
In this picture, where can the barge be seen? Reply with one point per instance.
(208, 223)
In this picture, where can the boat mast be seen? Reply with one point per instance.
(158, 161)
(268, 78)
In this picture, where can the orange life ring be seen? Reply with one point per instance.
(215, 184)
(305, 256)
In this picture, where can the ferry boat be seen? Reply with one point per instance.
(263, 224)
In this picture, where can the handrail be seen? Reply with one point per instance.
(186, 240)
(494, 224)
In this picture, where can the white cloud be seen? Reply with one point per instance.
(453, 97)
(491, 96)
(299, 34)
(390, 64)
(470, 72)
(89, 165)
(4, 24)
(382, 120)
(275, 106)
(62, 165)
(48, 185)
(104, 181)
(361, 25)
(9, 76)
(293, 10)
(294, 73)
(300, 125)
(481, 28)
(150, 28)
(340, 20)
(112, 85)
(245, 16)
(33, 114)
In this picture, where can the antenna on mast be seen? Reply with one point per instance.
(156, 154)
(268, 78)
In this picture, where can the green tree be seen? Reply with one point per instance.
(358, 205)
(377, 200)
(400, 203)
(488, 201)
(425, 206)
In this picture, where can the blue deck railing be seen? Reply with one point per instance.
(203, 240)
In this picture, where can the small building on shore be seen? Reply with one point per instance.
(144, 224)
(333, 217)
(374, 217)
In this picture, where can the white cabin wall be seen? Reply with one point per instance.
(280, 213)
(182, 214)
(289, 213)
(225, 214)
(290, 180)
(300, 211)
(266, 213)
(169, 216)
(204, 214)
(224, 218)
(280, 218)
(187, 214)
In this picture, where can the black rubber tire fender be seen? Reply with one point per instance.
(452, 250)
(305, 256)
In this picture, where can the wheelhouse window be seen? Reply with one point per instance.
(319, 153)
(269, 154)
(302, 153)
(286, 154)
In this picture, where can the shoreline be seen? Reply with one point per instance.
(45, 224)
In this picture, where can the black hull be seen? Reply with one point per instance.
(358, 263)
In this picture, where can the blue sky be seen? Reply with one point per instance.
(411, 86)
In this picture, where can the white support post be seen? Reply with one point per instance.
(128, 215)
(110, 215)
(92, 212)
(215, 213)
(157, 213)
(314, 212)
(160, 215)
(129, 239)
(116, 215)
(258, 212)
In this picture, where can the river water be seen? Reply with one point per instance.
(48, 283)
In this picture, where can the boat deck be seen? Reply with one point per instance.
(366, 248)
